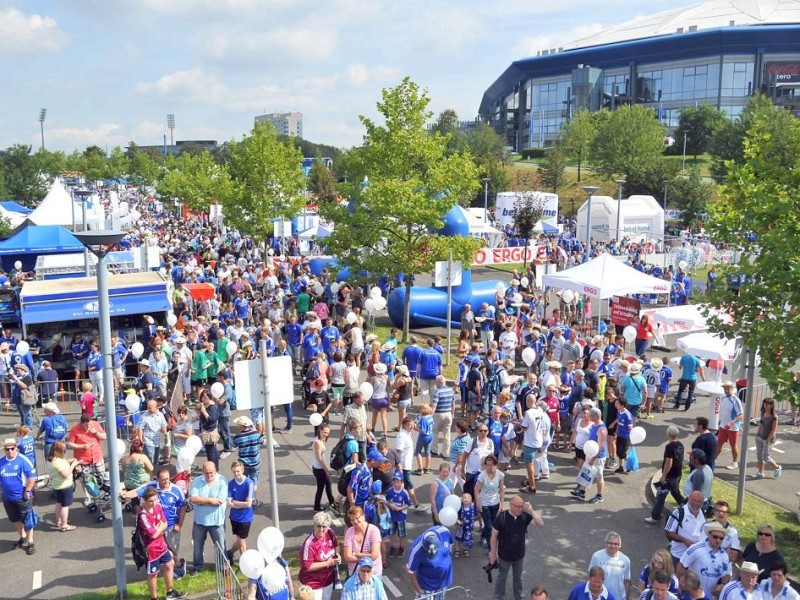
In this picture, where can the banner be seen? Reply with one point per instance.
(500, 256)
(506, 201)
(624, 311)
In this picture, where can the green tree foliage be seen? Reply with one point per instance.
(267, 182)
(692, 195)
(578, 134)
(194, 180)
(727, 143)
(761, 196)
(50, 164)
(321, 180)
(553, 167)
(119, 165)
(94, 163)
(489, 152)
(411, 183)
(650, 181)
(527, 213)
(309, 149)
(144, 168)
(629, 142)
(698, 125)
(21, 180)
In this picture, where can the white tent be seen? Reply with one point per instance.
(708, 346)
(57, 204)
(604, 277)
(640, 217)
(15, 219)
(688, 316)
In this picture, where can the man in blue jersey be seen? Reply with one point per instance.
(249, 443)
(241, 492)
(330, 335)
(410, 358)
(593, 589)
(294, 337)
(429, 366)
(173, 503)
(17, 478)
(430, 563)
(53, 427)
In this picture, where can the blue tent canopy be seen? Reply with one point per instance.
(13, 206)
(32, 240)
(61, 300)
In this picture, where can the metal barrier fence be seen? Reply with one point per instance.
(456, 591)
(66, 393)
(228, 586)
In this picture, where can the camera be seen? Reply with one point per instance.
(489, 568)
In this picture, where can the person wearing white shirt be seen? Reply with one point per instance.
(615, 565)
(745, 587)
(532, 439)
(776, 587)
(685, 526)
(508, 342)
(709, 560)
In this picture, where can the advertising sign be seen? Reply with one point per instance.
(499, 256)
(624, 311)
(506, 201)
(783, 72)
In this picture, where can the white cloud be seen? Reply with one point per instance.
(192, 84)
(449, 32)
(101, 134)
(147, 130)
(20, 33)
(530, 45)
(304, 44)
(358, 75)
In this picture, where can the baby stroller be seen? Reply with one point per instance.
(98, 491)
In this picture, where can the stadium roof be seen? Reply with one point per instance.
(709, 15)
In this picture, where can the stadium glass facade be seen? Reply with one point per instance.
(721, 67)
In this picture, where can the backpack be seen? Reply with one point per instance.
(138, 548)
(493, 383)
(338, 457)
(383, 516)
(681, 515)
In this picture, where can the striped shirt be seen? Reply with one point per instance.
(443, 400)
(249, 443)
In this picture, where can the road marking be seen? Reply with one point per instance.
(337, 522)
(388, 583)
(37, 580)
(774, 448)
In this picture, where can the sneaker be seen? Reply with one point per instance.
(651, 520)
(778, 471)
(287, 430)
(400, 552)
(30, 549)
(229, 556)
(620, 470)
(224, 455)
(334, 507)
(758, 475)
(578, 494)
(176, 594)
(392, 552)
(597, 499)
(733, 466)
(648, 417)
(194, 572)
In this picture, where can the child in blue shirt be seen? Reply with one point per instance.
(466, 523)
(398, 501)
(663, 388)
(424, 423)
(241, 491)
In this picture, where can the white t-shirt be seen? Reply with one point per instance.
(532, 423)
(652, 378)
(617, 569)
(692, 528)
(476, 452)
(508, 340)
(404, 446)
(490, 487)
(710, 565)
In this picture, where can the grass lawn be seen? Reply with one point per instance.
(450, 372)
(703, 161)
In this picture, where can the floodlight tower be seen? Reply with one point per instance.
(42, 115)
(171, 126)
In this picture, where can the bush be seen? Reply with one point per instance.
(533, 153)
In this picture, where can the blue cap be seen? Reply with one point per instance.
(365, 561)
(398, 475)
(430, 544)
(377, 487)
(377, 456)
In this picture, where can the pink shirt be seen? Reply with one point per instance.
(149, 520)
(317, 550)
(373, 536)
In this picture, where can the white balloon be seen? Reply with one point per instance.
(194, 443)
(517, 298)
(380, 303)
(591, 449)
(315, 419)
(22, 348)
(524, 282)
(217, 389)
(375, 292)
(500, 287)
(683, 264)
(18, 264)
(318, 289)
(528, 356)
(629, 333)
(366, 389)
(448, 517)
(568, 296)
(369, 305)
(351, 317)
(453, 501)
(120, 447)
(132, 403)
(231, 348)
(162, 271)
(172, 319)
(270, 543)
(638, 435)
(274, 577)
(185, 458)
(334, 287)
(137, 350)
(251, 563)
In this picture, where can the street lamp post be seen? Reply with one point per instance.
(486, 181)
(42, 115)
(590, 190)
(620, 183)
(99, 242)
(666, 186)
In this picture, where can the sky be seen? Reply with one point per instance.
(109, 71)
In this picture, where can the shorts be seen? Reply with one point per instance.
(726, 435)
(597, 468)
(64, 497)
(580, 454)
(399, 529)
(423, 448)
(634, 410)
(529, 454)
(17, 510)
(257, 415)
(651, 392)
(253, 473)
(404, 403)
(379, 403)
(566, 423)
(154, 566)
(80, 364)
(763, 450)
(407, 483)
(338, 391)
(473, 402)
(623, 444)
(240, 530)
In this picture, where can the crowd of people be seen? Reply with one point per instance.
(407, 438)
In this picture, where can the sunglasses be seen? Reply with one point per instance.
(718, 537)
(765, 533)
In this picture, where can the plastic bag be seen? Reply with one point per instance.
(632, 462)
(585, 478)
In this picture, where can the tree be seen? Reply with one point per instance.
(402, 183)
(194, 180)
(578, 135)
(267, 182)
(143, 168)
(321, 180)
(94, 165)
(50, 163)
(446, 123)
(553, 168)
(629, 141)
(697, 125)
(526, 214)
(759, 214)
(119, 165)
(692, 195)
(21, 178)
(489, 152)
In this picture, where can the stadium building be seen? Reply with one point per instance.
(717, 53)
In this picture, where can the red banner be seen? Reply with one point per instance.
(624, 311)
